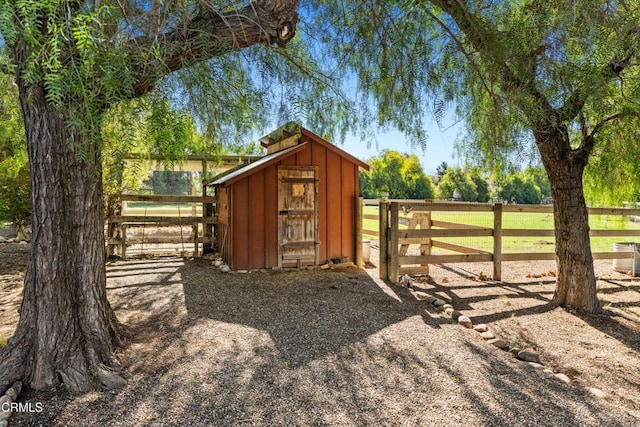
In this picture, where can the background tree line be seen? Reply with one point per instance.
(400, 176)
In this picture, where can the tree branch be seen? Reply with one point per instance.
(209, 34)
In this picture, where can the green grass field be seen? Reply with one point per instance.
(533, 221)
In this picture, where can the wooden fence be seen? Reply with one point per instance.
(399, 232)
(121, 219)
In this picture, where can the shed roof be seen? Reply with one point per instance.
(257, 165)
(277, 156)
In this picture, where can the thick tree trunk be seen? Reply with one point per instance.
(67, 329)
(576, 282)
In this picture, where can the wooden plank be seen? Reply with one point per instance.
(457, 248)
(271, 216)
(393, 244)
(123, 248)
(298, 244)
(349, 196)
(444, 259)
(370, 233)
(303, 212)
(613, 211)
(497, 241)
(614, 233)
(166, 199)
(319, 158)
(240, 220)
(334, 205)
(283, 144)
(358, 229)
(196, 243)
(257, 220)
(370, 217)
(612, 255)
(528, 208)
(371, 202)
(439, 232)
(414, 270)
(297, 179)
(445, 207)
(383, 270)
(527, 232)
(455, 225)
(165, 220)
(543, 256)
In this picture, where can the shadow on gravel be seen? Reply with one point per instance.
(322, 348)
(309, 313)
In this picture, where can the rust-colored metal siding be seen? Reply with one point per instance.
(254, 208)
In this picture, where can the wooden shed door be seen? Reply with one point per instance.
(297, 215)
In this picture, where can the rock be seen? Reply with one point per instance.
(422, 296)
(448, 311)
(563, 378)
(17, 386)
(217, 263)
(597, 392)
(438, 302)
(4, 423)
(12, 393)
(10, 240)
(225, 268)
(243, 271)
(465, 321)
(481, 328)
(324, 266)
(548, 371)
(446, 306)
(455, 315)
(2, 239)
(487, 335)
(5, 402)
(528, 355)
(536, 365)
(500, 343)
(22, 242)
(406, 281)
(276, 268)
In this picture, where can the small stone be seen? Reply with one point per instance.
(324, 266)
(563, 378)
(536, 365)
(225, 268)
(597, 392)
(22, 242)
(487, 335)
(243, 271)
(17, 386)
(465, 321)
(276, 268)
(446, 306)
(4, 423)
(528, 355)
(12, 393)
(481, 328)
(217, 263)
(5, 402)
(548, 371)
(500, 343)
(406, 281)
(455, 315)
(11, 240)
(2, 239)
(438, 302)
(448, 311)
(421, 296)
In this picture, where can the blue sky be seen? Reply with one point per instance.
(439, 146)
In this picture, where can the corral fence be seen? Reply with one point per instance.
(414, 234)
(132, 225)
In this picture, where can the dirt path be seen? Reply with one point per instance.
(342, 348)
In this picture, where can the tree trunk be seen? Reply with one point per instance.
(67, 329)
(576, 282)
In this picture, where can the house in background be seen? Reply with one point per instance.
(295, 206)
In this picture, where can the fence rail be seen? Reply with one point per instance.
(120, 220)
(396, 235)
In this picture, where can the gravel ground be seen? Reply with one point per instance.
(342, 348)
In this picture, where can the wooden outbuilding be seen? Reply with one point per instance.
(295, 206)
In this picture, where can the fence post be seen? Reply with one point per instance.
(383, 223)
(359, 259)
(123, 250)
(394, 268)
(497, 241)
